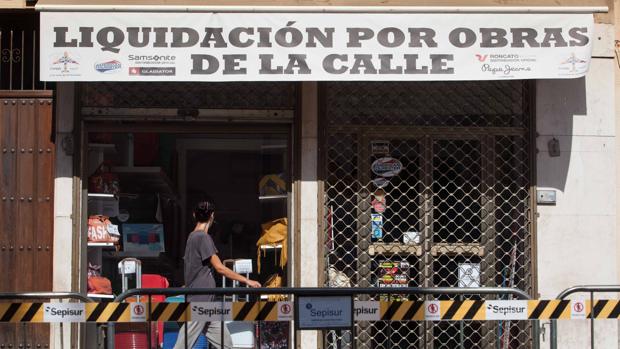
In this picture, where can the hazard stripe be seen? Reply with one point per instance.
(8, 314)
(94, 316)
(471, 313)
(413, 309)
(31, 312)
(178, 312)
(389, 314)
(449, 315)
(540, 307)
(615, 312)
(106, 312)
(245, 310)
(267, 308)
(598, 307)
(559, 309)
(116, 314)
(159, 309)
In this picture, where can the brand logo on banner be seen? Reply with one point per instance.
(316, 46)
(211, 311)
(367, 311)
(64, 64)
(432, 310)
(108, 67)
(506, 310)
(387, 167)
(64, 312)
(138, 312)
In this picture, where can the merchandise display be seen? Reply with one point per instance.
(104, 181)
(142, 187)
(393, 274)
(100, 229)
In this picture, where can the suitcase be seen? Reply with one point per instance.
(134, 335)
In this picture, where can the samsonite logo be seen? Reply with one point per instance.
(68, 312)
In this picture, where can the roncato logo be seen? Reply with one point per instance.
(108, 66)
(481, 58)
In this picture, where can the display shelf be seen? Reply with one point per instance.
(101, 196)
(394, 248)
(458, 248)
(270, 247)
(101, 296)
(380, 248)
(125, 254)
(145, 179)
(102, 244)
(106, 148)
(273, 197)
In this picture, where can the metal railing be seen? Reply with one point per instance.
(44, 295)
(315, 291)
(591, 289)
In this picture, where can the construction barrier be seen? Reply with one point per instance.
(436, 310)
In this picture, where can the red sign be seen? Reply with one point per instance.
(138, 309)
(578, 307)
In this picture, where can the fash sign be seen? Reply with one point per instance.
(316, 313)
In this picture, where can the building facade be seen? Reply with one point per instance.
(508, 183)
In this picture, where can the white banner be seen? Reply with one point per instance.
(64, 312)
(310, 46)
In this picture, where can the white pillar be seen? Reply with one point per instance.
(63, 207)
(309, 220)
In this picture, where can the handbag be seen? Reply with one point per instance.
(275, 281)
(97, 284)
(103, 181)
(100, 229)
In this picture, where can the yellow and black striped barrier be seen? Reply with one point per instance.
(448, 310)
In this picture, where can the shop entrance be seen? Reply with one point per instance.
(145, 185)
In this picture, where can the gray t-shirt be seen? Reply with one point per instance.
(198, 269)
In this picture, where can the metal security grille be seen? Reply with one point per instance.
(247, 95)
(458, 214)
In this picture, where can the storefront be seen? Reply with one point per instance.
(390, 154)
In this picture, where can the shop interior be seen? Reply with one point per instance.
(143, 186)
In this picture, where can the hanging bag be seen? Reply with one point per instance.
(103, 181)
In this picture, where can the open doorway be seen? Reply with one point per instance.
(142, 187)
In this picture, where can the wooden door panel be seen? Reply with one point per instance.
(26, 208)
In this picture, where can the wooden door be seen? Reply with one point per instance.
(26, 205)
